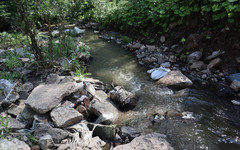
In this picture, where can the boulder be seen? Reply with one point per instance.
(235, 85)
(129, 132)
(57, 134)
(193, 57)
(136, 46)
(13, 144)
(102, 107)
(105, 132)
(154, 141)
(13, 124)
(46, 97)
(65, 116)
(46, 142)
(53, 78)
(175, 78)
(27, 87)
(214, 63)
(198, 65)
(123, 97)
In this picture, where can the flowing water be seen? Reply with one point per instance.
(218, 123)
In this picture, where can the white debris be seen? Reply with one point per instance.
(158, 73)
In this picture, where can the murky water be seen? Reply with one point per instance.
(218, 123)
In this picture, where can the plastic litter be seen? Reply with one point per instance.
(158, 73)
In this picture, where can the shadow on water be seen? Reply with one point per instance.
(219, 120)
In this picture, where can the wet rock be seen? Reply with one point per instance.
(46, 142)
(175, 78)
(123, 97)
(235, 85)
(13, 124)
(65, 116)
(233, 77)
(215, 54)
(198, 65)
(236, 102)
(157, 73)
(183, 92)
(102, 107)
(57, 134)
(166, 65)
(129, 132)
(46, 97)
(194, 57)
(16, 109)
(154, 141)
(214, 63)
(192, 42)
(13, 144)
(105, 132)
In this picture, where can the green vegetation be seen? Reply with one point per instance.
(81, 73)
(32, 138)
(4, 128)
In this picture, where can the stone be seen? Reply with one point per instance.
(27, 115)
(2, 51)
(192, 42)
(232, 77)
(162, 39)
(151, 47)
(13, 124)
(9, 91)
(13, 144)
(55, 33)
(46, 97)
(153, 141)
(16, 109)
(25, 60)
(129, 132)
(105, 132)
(175, 78)
(193, 57)
(46, 142)
(235, 85)
(136, 46)
(27, 87)
(206, 71)
(123, 97)
(65, 116)
(214, 63)
(81, 109)
(102, 107)
(166, 65)
(42, 118)
(215, 54)
(204, 76)
(57, 134)
(149, 59)
(183, 92)
(198, 65)
(53, 78)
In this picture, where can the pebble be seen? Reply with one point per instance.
(236, 102)
(204, 76)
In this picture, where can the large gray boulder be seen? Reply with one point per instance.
(46, 97)
(13, 124)
(46, 142)
(102, 107)
(154, 141)
(175, 78)
(123, 97)
(13, 144)
(65, 116)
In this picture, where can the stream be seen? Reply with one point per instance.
(218, 123)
